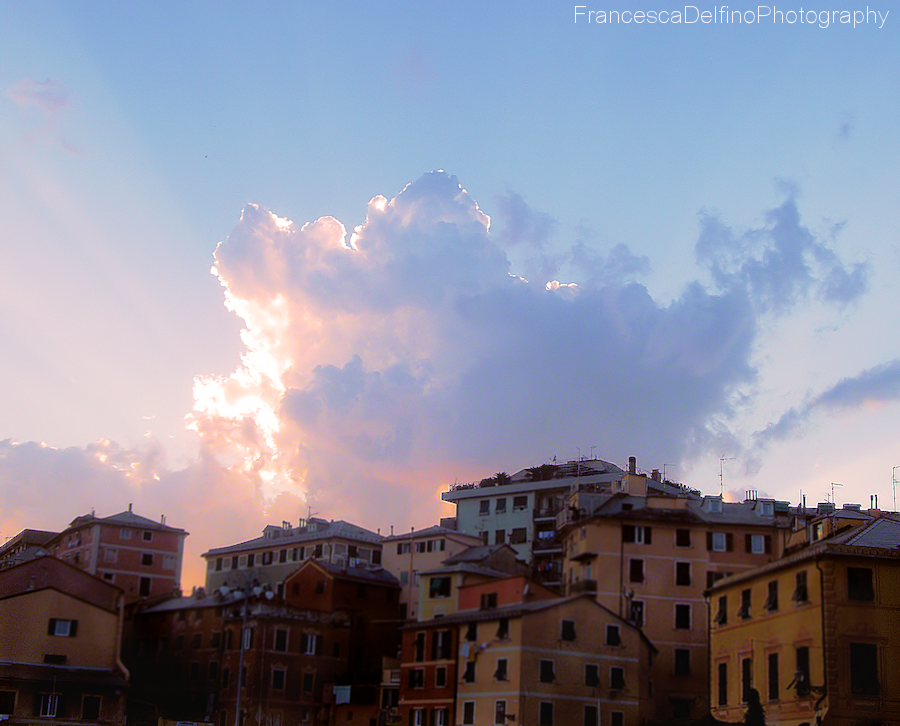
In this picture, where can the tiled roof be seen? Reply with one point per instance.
(324, 530)
(126, 518)
(50, 573)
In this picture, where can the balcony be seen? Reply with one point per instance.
(544, 544)
(550, 512)
(583, 586)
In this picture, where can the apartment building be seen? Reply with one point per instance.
(140, 556)
(648, 555)
(25, 545)
(515, 652)
(407, 555)
(817, 632)
(281, 550)
(60, 631)
(521, 510)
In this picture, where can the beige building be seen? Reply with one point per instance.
(816, 633)
(407, 555)
(648, 556)
(282, 550)
(60, 633)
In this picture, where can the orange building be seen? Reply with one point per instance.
(816, 633)
(140, 556)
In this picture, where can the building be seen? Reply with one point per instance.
(281, 550)
(521, 509)
(406, 555)
(25, 545)
(647, 553)
(817, 632)
(516, 653)
(140, 556)
(60, 631)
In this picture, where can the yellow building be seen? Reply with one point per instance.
(816, 633)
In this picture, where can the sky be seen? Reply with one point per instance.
(267, 260)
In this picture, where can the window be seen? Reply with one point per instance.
(859, 584)
(683, 617)
(469, 673)
(722, 613)
(773, 676)
(439, 587)
(613, 636)
(501, 673)
(683, 573)
(417, 678)
(500, 712)
(308, 681)
(484, 506)
(248, 638)
(518, 535)
(147, 536)
(7, 702)
(213, 672)
(403, 548)
(251, 558)
(500, 506)
(90, 708)
(616, 718)
(472, 632)
(62, 628)
(591, 675)
(800, 595)
(420, 547)
(682, 662)
(281, 640)
(637, 534)
(744, 610)
(636, 571)
(440, 645)
(802, 670)
(144, 587)
(225, 676)
(147, 559)
(767, 509)
(547, 675)
(682, 538)
(110, 554)
(419, 647)
(310, 644)
(503, 629)
(196, 640)
(440, 676)
(234, 562)
(520, 502)
(758, 544)
(617, 678)
(194, 671)
(125, 533)
(771, 603)
(418, 717)
(54, 659)
(712, 577)
(267, 557)
(468, 712)
(723, 684)
(719, 541)
(500, 536)
(488, 600)
(568, 630)
(48, 703)
(864, 669)
(746, 679)
(546, 714)
(320, 587)
(591, 716)
(637, 613)
(440, 717)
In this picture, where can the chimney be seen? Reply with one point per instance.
(129, 507)
(654, 475)
(632, 465)
(162, 519)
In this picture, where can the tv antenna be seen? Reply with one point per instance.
(722, 460)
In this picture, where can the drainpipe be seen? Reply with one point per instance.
(120, 630)
(824, 639)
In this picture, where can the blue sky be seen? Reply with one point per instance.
(133, 135)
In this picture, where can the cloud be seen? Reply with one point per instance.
(49, 100)
(874, 386)
(382, 364)
(779, 263)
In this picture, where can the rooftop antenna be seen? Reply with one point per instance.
(664, 471)
(894, 485)
(833, 485)
(722, 460)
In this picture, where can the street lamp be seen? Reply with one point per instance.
(241, 591)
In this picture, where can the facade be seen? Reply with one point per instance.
(816, 633)
(407, 555)
(648, 556)
(521, 510)
(140, 556)
(515, 653)
(25, 545)
(60, 631)
(282, 550)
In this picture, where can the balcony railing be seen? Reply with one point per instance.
(583, 586)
